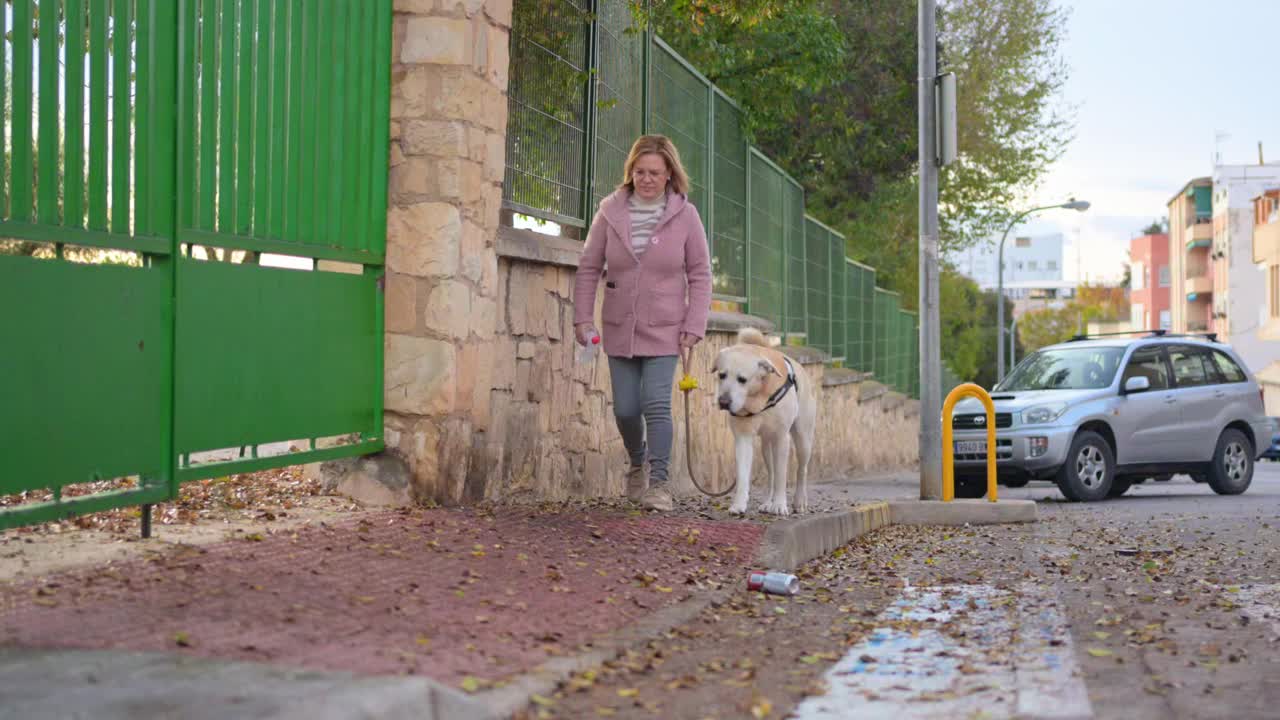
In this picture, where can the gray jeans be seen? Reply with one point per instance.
(642, 406)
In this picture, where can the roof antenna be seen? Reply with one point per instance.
(1260, 160)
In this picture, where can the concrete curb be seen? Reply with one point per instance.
(129, 685)
(961, 512)
(791, 543)
(513, 696)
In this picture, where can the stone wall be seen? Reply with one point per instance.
(447, 158)
(551, 434)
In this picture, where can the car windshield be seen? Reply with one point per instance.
(1065, 369)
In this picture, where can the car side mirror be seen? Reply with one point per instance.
(1137, 384)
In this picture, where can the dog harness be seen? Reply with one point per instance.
(781, 392)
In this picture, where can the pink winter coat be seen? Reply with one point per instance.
(650, 300)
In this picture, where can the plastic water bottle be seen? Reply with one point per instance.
(587, 353)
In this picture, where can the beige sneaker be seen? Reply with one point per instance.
(637, 482)
(658, 498)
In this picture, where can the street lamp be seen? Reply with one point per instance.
(1073, 204)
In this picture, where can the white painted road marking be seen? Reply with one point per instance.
(959, 651)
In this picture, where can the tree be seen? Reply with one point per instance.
(1159, 226)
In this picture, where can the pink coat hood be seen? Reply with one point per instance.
(648, 300)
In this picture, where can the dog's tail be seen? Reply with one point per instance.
(752, 336)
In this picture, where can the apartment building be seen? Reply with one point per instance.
(1190, 237)
(1150, 280)
(1266, 255)
(1239, 306)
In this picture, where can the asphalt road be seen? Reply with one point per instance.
(1164, 603)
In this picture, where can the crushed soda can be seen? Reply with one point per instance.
(774, 583)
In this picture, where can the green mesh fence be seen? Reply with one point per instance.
(680, 108)
(548, 110)
(837, 267)
(765, 263)
(619, 103)
(796, 302)
(583, 78)
(817, 244)
(729, 206)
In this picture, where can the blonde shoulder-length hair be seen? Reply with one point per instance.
(657, 145)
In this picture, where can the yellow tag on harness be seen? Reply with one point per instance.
(688, 383)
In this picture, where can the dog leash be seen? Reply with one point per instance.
(687, 385)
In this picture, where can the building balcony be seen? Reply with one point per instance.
(1266, 243)
(1199, 286)
(1199, 233)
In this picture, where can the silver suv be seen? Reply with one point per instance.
(1097, 416)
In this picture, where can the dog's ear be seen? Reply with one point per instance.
(768, 368)
(715, 365)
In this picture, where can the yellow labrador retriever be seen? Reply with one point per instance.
(767, 394)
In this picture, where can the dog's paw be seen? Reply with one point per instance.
(800, 506)
(775, 508)
(736, 509)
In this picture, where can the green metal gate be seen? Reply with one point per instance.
(191, 242)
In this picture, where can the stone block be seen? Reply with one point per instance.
(484, 318)
(420, 375)
(495, 109)
(464, 96)
(555, 316)
(415, 7)
(504, 359)
(414, 88)
(395, 155)
(445, 138)
(499, 11)
(503, 275)
(448, 309)
(525, 350)
(462, 7)
(382, 479)
(401, 306)
(480, 410)
(517, 300)
(474, 251)
(437, 41)
(962, 512)
(479, 44)
(524, 370)
(489, 276)
(540, 375)
(412, 180)
(424, 239)
(395, 130)
(498, 57)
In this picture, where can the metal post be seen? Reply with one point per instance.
(146, 521)
(930, 322)
(1000, 304)
(1013, 343)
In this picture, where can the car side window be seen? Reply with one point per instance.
(1230, 371)
(1191, 367)
(1148, 363)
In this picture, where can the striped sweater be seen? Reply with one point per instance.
(644, 218)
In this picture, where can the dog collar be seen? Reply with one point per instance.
(778, 394)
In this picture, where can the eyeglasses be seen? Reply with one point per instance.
(646, 174)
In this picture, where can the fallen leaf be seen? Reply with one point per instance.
(182, 639)
(1099, 652)
(628, 692)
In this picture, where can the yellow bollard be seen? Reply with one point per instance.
(966, 390)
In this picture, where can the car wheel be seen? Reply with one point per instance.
(1232, 468)
(1088, 473)
(1120, 486)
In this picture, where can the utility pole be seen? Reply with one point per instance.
(930, 322)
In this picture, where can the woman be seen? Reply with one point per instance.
(656, 300)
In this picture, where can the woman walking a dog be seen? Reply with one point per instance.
(648, 243)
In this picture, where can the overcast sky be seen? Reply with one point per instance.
(1154, 82)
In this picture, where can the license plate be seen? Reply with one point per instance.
(971, 447)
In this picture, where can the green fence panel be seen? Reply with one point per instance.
(547, 110)
(863, 305)
(88, 396)
(766, 268)
(309, 330)
(853, 310)
(619, 101)
(680, 108)
(839, 271)
(906, 354)
(817, 242)
(796, 299)
(729, 207)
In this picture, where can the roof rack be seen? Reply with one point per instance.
(1156, 332)
(1210, 336)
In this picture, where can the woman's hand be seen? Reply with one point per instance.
(688, 340)
(584, 332)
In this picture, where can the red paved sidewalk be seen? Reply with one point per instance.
(445, 593)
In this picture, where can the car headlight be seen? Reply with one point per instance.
(1041, 414)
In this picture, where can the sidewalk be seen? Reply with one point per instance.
(466, 597)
